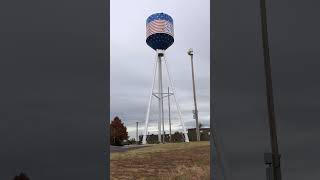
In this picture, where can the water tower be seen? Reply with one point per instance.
(160, 36)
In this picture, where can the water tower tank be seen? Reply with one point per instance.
(159, 31)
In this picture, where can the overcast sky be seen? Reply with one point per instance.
(132, 61)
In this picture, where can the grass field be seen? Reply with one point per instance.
(176, 161)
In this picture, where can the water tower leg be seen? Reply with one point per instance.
(160, 99)
(176, 102)
(149, 104)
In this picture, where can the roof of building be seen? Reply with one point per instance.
(199, 129)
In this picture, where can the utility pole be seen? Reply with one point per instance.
(137, 133)
(275, 156)
(169, 114)
(190, 52)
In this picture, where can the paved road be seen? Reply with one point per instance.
(126, 148)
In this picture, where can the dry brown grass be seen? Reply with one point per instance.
(177, 161)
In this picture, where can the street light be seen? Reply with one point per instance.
(190, 53)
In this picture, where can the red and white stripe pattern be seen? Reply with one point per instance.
(159, 26)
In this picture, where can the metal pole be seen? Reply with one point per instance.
(160, 97)
(137, 134)
(273, 133)
(190, 52)
(144, 140)
(162, 112)
(177, 104)
(169, 114)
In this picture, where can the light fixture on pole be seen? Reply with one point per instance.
(195, 112)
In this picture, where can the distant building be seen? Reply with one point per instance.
(204, 134)
(179, 137)
(153, 138)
